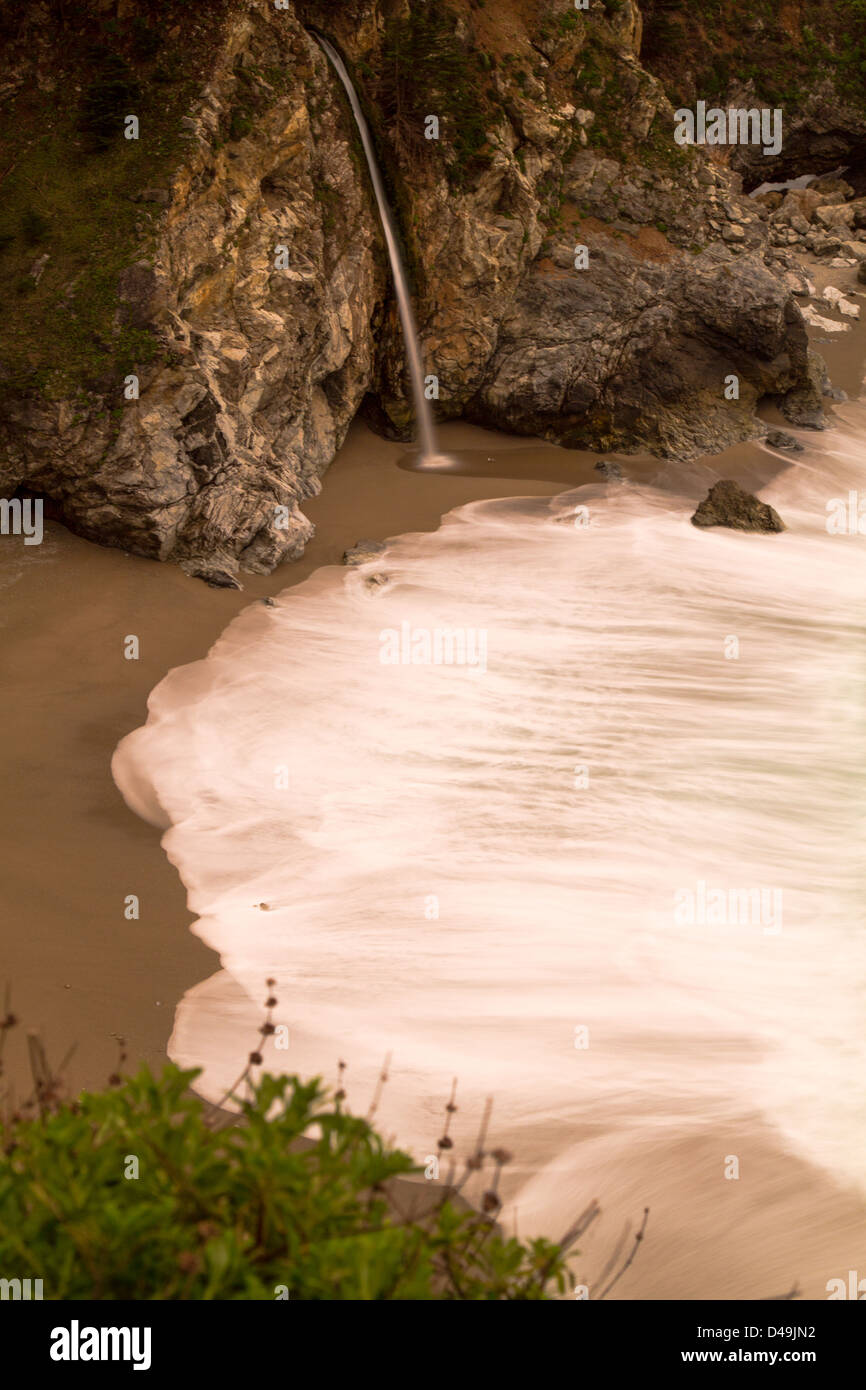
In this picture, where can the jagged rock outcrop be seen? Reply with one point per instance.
(727, 504)
(260, 368)
(633, 351)
(803, 57)
(552, 137)
(640, 354)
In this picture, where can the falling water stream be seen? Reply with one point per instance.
(423, 414)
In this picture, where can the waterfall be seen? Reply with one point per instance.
(423, 413)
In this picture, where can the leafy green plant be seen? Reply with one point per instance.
(112, 94)
(427, 69)
(34, 227)
(240, 124)
(144, 1191)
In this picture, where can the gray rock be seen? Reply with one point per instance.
(727, 504)
(362, 551)
(830, 185)
(778, 439)
(635, 355)
(802, 406)
(827, 245)
(218, 574)
(799, 283)
(835, 215)
(257, 372)
(610, 470)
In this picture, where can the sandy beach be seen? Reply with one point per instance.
(68, 696)
(82, 973)
(74, 852)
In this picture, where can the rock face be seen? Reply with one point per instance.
(638, 353)
(632, 348)
(804, 59)
(609, 470)
(261, 369)
(577, 275)
(727, 504)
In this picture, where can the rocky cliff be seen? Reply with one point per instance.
(807, 57)
(199, 313)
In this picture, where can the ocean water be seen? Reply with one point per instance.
(607, 870)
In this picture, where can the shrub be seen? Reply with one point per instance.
(240, 124)
(427, 69)
(113, 94)
(133, 1193)
(34, 227)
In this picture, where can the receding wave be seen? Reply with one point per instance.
(596, 853)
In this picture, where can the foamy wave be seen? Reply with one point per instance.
(465, 867)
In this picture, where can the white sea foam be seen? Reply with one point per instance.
(611, 754)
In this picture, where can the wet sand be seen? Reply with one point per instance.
(82, 973)
(74, 853)
(78, 969)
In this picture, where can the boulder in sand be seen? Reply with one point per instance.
(609, 470)
(727, 504)
(778, 439)
(362, 551)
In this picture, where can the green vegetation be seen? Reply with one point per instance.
(598, 84)
(331, 202)
(720, 44)
(71, 219)
(111, 95)
(143, 1191)
(426, 69)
